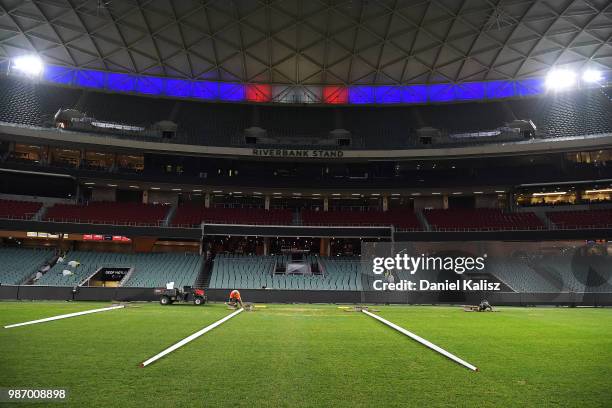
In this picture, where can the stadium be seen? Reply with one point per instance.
(296, 203)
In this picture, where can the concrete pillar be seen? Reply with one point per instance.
(46, 155)
(445, 201)
(266, 246)
(326, 204)
(145, 197)
(510, 204)
(267, 202)
(324, 247)
(207, 200)
(385, 203)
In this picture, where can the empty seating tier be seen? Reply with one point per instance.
(190, 215)
(23, 210)
(581, 219)
(17, 264)
(109, 213)
(149, 270)
(233, 271)
(402, 219)
(481, 219)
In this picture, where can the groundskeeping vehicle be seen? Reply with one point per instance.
(187, 294)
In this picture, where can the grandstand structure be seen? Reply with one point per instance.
(272, 177)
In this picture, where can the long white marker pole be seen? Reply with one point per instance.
(189, 338)
(422, 341)
(64, 316)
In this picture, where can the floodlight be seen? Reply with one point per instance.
(592, 76)
(560, 79)
(30, 65)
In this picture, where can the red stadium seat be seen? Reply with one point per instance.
(109, 213)
(581, 219)
(190, 215)
(23, 210)
(402, 219)
(481, 219)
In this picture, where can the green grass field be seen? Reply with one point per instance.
(310, 355)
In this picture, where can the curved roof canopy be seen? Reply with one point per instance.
(314, 42)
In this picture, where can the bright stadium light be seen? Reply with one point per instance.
(592, 76)
(30, 65)
(560, 79)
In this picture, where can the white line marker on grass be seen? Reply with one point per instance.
(189, 338)
(64, 316)
(422, 341)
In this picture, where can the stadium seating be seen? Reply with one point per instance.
(150, 270)
(553, 274)
(23, 210)
(17, 264)
(481, 219)
(108, 213)
(191, 215)
(581, 219)
(573, 276)
(402, 219)
(518, 275)
(155, 270)
(255, 272)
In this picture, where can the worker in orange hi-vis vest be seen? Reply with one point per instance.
(235, 299)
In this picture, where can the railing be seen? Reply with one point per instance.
(492, 228)
(158, 223)
(26, 216)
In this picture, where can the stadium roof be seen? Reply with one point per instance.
(313, 42)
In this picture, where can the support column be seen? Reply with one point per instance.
(207, 200)
(324, 247)
(510, 204)
(266, 245)
(267, 202)
(325, 204)
(445, 201)
(385, 203)
(145, 197)
(578, 197)
(46, 156)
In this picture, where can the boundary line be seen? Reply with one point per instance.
(64, 316)
(423, 341)
(189, 338)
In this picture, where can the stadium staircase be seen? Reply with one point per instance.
(170, 216)
(39, 216)
(545, 220)
(541, 214)
(203, 279)
(552, 277)
(297, 218)
(421, 217)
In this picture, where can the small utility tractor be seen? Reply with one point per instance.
(188, 294)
